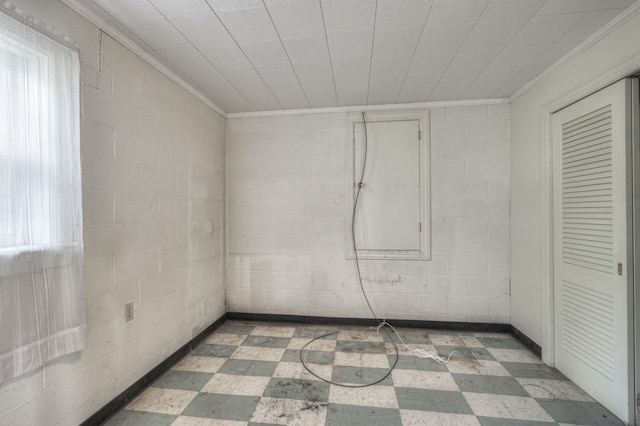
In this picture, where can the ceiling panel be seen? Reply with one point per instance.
(223, 5)
(388, 43)
(201, 29)
(302, 19)
(250, 55)
(351, 16)
(173, 7)
(464, 69)
(157, 32)
(567, 6)
(266, 54)
(455, 11)
(126, 10)
(226, 56)
(588, 25)
(346, 47)
(505, 9)
(493, 33)
(307, 50)
(247, 25)
(396, 15)
(546, 29)
(249, 82)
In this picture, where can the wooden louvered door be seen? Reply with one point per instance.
(592, 167)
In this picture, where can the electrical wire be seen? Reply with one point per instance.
(381, 323)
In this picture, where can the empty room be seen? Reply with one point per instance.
(319, 212)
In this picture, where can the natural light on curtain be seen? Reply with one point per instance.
(41, 251)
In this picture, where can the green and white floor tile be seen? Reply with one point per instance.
(249, 373)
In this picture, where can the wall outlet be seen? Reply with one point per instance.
(128, 312)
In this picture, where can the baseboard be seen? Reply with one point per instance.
(434, 325)
(132, 391)
(533, 346)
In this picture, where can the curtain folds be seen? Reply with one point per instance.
(41, 248)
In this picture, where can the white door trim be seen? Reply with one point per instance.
(626, 69)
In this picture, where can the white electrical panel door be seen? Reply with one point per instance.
(388, 216)
(393, 201)
(592, 265)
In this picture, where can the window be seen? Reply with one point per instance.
(41, 251)
(392, 216)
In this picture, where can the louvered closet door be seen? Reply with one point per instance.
(591, 168)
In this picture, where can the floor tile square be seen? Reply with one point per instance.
(370, 396)
(257, 353)
(283, 411)
(165, 401)
(471, 342)
(514, 355)
(489, 384)
(220, 351)
(412, 362)
(421, 418)
(312, 357)
(478, 367)
(432, 400)
(458, 352)
(554, 389)
(234, 328)
(532, 371)
(248, 368)
(446, 340)
(506, 406)
(577, 412)
(506, 342)
(225, 339)
(273, 331)
(183, 380)
(203, 364)
(201, 421)
(140, 418)
(424, 379)
(316, 345)
(312, 333)
(361, 335)
(361, 360)
(266, 341)
(367, 347)
(360, 375)
(307, 390)
(224, 407)
(340, 415)
(495, 421)
(236, 385)
(295, 370)
(413, 338)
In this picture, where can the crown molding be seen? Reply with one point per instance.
(109, 29)
(615, 23)
(361, 108)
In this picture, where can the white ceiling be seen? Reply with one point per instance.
(260, 55)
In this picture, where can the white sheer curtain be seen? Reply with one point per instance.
(41, 251)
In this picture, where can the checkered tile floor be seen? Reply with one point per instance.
(249, 373)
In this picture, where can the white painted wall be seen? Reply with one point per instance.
(286, 227)
(596, 67)
(153, 197)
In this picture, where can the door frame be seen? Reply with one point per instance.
(627, 69)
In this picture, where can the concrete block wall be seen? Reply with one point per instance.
(286, 221)
(153, 160)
